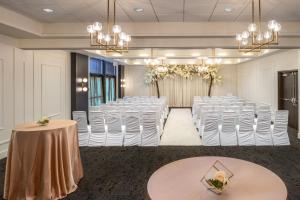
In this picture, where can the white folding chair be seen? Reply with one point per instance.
(279, 134)
(150, 132)
(98, 132)
(114, 129)
(210, 135)
(228, 136)
(132, 136)
(263, 130)
(246, 128)
(82, 128)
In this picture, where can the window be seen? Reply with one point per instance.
(110, 89)
(96, 91)
(102, 82)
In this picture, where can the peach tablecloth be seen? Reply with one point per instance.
(181, 180)
(43, 161)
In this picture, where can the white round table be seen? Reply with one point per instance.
(181, 180)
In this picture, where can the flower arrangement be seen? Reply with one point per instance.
(208, 73)
(217, 177)
(43, 121)
(219, 181)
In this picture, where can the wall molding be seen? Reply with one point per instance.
(59, 67)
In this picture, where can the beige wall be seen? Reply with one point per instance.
(229, 81)
(135, 81)
(257, 79)
(32, 84)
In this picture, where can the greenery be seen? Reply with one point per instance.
(216, 183)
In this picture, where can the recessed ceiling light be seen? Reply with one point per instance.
(170, 55)
(139, 9)
(228, 9)
(48, 10)
(136, 63)
(195, 54)
(144, 55)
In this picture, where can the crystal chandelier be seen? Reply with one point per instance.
(209, 62)
(254, 39)
(112, 41)
(213, 60)
(152, 61)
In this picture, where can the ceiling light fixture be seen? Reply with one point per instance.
(138, 9)
(48, 10)
(254, 39)
(114, 40)
(152, 61)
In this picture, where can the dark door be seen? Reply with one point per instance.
(288, 95)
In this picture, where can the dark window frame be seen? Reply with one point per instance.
(103, 75)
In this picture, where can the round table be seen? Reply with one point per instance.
(43, 162)
(182, 180)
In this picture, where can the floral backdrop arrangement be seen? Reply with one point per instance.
(161, 72)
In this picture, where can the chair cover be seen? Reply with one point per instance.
(246, 129)
(82, 128)
(210, 136)
(228, 136)
(263, 129)
(132, 136)
(150, 132)
(114, 129)
(98, 133)
(279, 133)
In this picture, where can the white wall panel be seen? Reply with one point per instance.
(6, 96)
(32, 84)
(50, 84)
(51, 91)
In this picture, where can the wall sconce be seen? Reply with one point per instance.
(82, 85)
(123, 85)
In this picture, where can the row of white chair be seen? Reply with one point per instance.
(118, 129)
(240, 129)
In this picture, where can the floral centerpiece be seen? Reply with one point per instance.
(44, 121)
(217, 177)
(218, 182)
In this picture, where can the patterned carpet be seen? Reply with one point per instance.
(121, 173)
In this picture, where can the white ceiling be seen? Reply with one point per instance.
(154, 10)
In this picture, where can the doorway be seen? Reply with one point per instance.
(288, 95)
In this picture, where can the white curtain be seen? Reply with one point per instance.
(180, 91)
